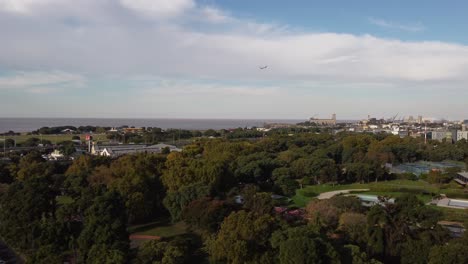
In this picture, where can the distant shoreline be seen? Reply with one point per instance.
(30, 124)
(24, 124)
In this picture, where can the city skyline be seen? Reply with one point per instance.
(202, 59)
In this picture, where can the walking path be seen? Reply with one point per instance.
(144, 237)
(328, 195)
(451, 203)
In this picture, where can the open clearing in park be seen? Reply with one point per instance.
(162, 228)
(303, 196)
(56, 138)
(395, 188)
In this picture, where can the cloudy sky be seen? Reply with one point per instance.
(201, 58)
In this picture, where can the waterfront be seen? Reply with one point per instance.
(30, 124)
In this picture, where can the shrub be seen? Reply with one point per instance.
(307, 181)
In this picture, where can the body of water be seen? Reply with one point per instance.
(30, 124)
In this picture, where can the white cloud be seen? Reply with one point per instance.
(191, 41)
(214, 15)
(41, 82)
(177, 87)
(21, 6)
(159, 8)
(120, 45)
(393, 25)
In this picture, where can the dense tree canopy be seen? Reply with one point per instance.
(104, 238)
(25, 205)
(303, 245)
(243, 237)
(226, 190)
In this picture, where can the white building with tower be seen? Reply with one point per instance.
(324, 122)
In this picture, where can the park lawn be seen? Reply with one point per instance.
(56, 138)
(162, 228)
(398, 187)
(300, 200)
(452, 214)
(454, 190)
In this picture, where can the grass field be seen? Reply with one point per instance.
(56, 138)
(162, 228)
(451, 214)
(394, 188)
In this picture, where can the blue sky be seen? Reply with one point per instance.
(200, 59)
(438, 20)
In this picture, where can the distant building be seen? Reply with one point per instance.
(441, 135)
(410, 120)
(263, 129)
(55, 155)
(133, 129)
(462, 135)
(403, 133)
(462, 178)
(119, 150)
(324, 122)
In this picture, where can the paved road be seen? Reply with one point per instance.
(328, 195)
(447, 202)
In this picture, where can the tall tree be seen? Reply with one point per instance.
(206, 214)
(303, 245)
(377, 220)
(243, 237)
(258, 203)
(354, 226)
(182, 170)
(32, 165)
(175, 202)
(176, 251)
(137, 179)
(353, 255)
(23, 207)
(104, 230)
(452, 253)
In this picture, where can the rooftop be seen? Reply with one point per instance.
(463, 174)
